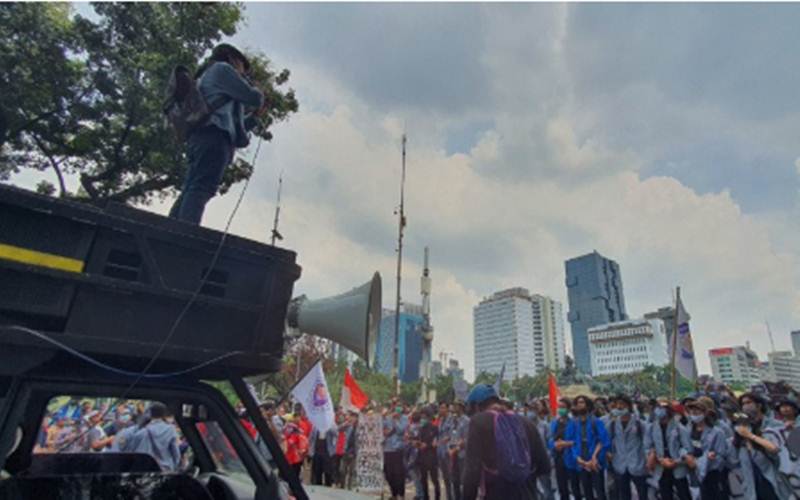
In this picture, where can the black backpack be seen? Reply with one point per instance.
(185, 108)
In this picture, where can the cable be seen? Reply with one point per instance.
(114, 369)
(183, 312)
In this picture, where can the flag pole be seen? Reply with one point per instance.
(675, 343)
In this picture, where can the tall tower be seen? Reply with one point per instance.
(594, 290)
(427, 328)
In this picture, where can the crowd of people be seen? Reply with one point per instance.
(134, 427)
(712, 445)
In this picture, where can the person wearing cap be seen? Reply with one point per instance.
(394, 429)
(210, 148)
(558, 446)
(788, 410)
(707, 455)
(481, 458)
(586, 458)
(758, 444)
(666, 442)
(627, 449)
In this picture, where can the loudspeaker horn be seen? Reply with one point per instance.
(350, 319)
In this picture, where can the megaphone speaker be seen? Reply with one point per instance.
(350, 319)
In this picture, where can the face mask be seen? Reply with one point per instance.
(616, 412)
(696, 419)
(751, 411)
(660, 413)
(424, 421)
(563, 412)
(622, 412)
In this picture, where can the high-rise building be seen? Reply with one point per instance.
(549, 348)
(523, 331)
(735, 364)
(409, 343)
(796, 342)
(503, 325)
(785, 366)
(436, 369)
(594, 290)
(627, 346)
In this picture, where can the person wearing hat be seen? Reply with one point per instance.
(211, 147)
(758, 444)
(627, 449)
(706, 457)
(788, 410)
(664, 443)
(481, 457)
(586, 458)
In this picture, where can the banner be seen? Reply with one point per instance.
(369, 453)
(312, 393)
(683, 357)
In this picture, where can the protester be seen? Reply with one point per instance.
(457, 448)
(446, 424)
(558, 446)
(427, 459)
(296, 445)
(706, 458)
(586, 458)
(322, 449)
(627, 449)
(96, 439)
(348, 458)
(496, 439)
(210, 148)
(394, 428)
(159, 439)
(757, 444)
(664, 443)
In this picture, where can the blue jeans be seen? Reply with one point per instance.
(209, 152)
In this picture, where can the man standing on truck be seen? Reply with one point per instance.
(211, 147)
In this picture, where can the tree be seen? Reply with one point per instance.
(106, 125)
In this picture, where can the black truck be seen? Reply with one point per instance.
(114, 304)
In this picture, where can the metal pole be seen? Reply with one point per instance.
(275, 233)
(269, 439)
(675, 343)
(401, 226)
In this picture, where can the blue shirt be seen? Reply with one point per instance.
(394, 441)
(594, 433)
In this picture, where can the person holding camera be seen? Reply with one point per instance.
(757, 446)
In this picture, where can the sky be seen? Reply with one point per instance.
(664, 136)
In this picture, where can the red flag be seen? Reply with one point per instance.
(553, 386)
(357, 396)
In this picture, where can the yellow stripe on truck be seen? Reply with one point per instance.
(42, 259)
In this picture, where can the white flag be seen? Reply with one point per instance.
(312, 393)
(684, 350)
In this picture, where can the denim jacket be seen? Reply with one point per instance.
(678, 445)
(220, 81)
(627, 446)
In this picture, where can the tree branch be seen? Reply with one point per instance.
(53, 163)
(141, 189)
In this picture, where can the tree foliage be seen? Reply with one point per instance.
(83, 97)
